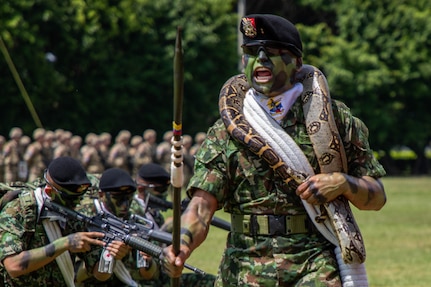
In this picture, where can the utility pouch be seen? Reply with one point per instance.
(141, 262)
(106, 262)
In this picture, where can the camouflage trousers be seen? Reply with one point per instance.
(297, 260)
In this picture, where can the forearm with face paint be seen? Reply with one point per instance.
(366, 193)
(34, 259)
(196, 219)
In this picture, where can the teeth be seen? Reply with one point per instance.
(263, 75)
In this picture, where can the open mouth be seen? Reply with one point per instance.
(262, 75)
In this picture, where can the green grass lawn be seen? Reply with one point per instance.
(398, 237)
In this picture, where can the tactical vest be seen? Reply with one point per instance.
(25, 193)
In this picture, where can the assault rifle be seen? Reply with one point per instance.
(159, 203)
(114, 228)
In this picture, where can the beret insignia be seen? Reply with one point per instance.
(249, 27)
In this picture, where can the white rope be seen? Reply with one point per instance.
(64, 261)
(352, 275)
(123, 274)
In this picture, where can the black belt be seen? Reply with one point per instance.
(269, 225)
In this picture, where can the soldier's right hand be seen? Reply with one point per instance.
(173, 265)
(82, 241)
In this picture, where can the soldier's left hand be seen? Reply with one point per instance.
(118, 249)
(322, 188)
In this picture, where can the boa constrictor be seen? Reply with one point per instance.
(337, 215)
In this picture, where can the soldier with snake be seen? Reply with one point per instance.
(285, 161)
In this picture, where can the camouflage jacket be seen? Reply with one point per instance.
(245, 184)
(20, 230)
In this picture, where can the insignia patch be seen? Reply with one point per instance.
(249, 27)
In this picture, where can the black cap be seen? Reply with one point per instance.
(271, 29)
(155, 173)
(116, 179)
(68, 173)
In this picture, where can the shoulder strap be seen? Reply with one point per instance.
(28, 202)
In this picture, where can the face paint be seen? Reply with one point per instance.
(66, 197)
(154, 189)
(269, 75)
(63, 199)
(118, 202)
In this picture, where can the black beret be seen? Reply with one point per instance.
(271, 29)
(155, 173)
(68, 173)
(116, 179)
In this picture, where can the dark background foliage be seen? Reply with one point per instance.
(94, 66)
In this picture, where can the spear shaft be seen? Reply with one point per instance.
(177, 147)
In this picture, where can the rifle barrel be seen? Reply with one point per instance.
(162, 204)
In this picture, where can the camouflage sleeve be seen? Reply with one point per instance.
(11, 230)
(209, 169)
(353, 131)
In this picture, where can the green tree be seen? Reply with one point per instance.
(104, 66)
(376, 58)
(113, 61)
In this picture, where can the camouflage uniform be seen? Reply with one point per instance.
(244, 184)
(119, 152)
(88, 208)
(187, 279)
(19, 231)
(11, 159)
(34, 158)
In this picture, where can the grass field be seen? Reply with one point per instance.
(398, 237)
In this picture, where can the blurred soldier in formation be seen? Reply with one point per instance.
(12, 155)
(199, 139)
(164, 151)
(34, 155)
(63, 144)
(48, 147)
(135, 142)
(146, 152)
(75, 147)
(91, 157)
(119, 152)
(105, 140)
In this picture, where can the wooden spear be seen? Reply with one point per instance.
(177, 148)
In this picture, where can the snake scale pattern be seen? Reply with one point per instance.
(326, 143)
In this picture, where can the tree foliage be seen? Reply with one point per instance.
(107, 65)
(376, 58)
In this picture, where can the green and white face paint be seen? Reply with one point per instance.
(269, 70)
(118, 202)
